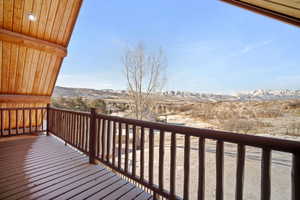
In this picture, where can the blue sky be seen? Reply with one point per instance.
(211, 46)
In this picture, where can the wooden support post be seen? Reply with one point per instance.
(48, 119)
(296, 177)
(92, 142)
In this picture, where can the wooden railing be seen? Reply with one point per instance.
(20, 121)
(121, 143)
(70, 126)
(137, 150)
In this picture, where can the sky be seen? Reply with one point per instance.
(210, 46)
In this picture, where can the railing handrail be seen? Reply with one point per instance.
(22, 108)
(284, 145)
(71, 111)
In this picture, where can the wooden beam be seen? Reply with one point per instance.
(31, 42)
(24, 99)
(266, 12)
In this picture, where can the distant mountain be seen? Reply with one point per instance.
(68, 92)
(269, 95)
(255, 95)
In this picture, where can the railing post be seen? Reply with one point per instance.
(92, 142)
(48, 117)
(296, 177)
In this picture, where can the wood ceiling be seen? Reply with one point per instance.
(284, 10)
(31, 52)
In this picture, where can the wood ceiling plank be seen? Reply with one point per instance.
(34, 63)
(26, 73)
(71, 23)
(20, 71)
(36, 10)
(54, 76)
(28, 4)
(44, 73)
(13, 67)
(43, 19)
(49, 73)
(18, 15)
(59, 17)
(1, 12)
(8, 14)
(66, 18)
(51, 18)
(38, 72)
(5, 66)
(1, 62)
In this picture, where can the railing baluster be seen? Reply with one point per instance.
(219, 169)
(126, 147)
(60, 120)
(1, 122)
(296, 176)
(72, 129)
(24, 120)
(161, 158)
(65, 126)
(114, 145)
(80, 132)
(36, 120)
(69, 127)
(266, 175)
(201, 168)
(240, 172)
(133, 150)
(119, 145)
(103, 140)
(92, 141)
(30, 120)
(86, 133)
(142, 153)
(42, 120)
(151, 155)
(76, 129)
(173, 165)
(186, 184)
(62, 127)
(108, 140)
(48, 118)
(98, 137)
(17, 123)
(9, 122)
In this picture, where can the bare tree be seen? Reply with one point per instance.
(145, 75)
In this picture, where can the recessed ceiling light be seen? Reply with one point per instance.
(31, 17)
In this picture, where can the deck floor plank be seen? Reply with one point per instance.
(44, 168)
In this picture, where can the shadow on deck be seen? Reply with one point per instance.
(42, 167)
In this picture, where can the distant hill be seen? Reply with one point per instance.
(255, 95)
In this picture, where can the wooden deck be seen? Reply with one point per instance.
(42, 167)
